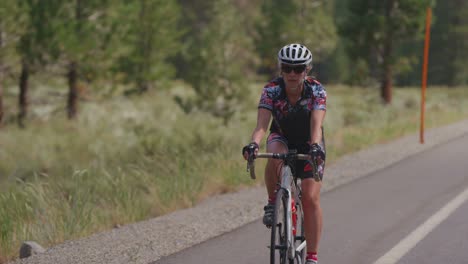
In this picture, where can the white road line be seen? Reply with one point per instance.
(405, 245)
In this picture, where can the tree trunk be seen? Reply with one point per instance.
(23, 96)
(387, 78)
(386, 85)
(72, 103)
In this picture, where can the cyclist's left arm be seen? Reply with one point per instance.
(316, 122)
(319, 107)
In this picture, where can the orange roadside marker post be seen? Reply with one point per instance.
(424, 72)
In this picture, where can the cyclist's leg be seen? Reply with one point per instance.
(311, 204)
(312, 213)
(276, 144)
(272, 171)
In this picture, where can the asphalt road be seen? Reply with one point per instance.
(414, 211)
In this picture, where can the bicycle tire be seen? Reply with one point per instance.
(278, 245)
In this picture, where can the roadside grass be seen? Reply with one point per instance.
(129, 159)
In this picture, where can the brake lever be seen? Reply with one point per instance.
(251, 166)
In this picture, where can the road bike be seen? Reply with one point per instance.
(288, 243)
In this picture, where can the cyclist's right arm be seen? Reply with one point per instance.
(263, 120)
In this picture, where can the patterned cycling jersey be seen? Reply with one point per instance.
(293, 121)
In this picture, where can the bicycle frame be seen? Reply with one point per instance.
(290, 188)
(287, 181)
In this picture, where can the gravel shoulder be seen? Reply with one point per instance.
(150, 240)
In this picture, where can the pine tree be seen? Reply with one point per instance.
(295, 21)
(375, 28)
(449, 44)
(87, 33)
(36, 45)
(153, 38)
(12, 23)
(275, 29)
(220, 58)
(316, 29)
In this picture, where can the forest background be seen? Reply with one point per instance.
(116, 111)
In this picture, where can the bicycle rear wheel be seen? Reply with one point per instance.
(278, 246)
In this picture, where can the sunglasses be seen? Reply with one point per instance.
(297, 69)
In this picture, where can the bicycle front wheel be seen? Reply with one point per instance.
(299, 237)
(278, 246)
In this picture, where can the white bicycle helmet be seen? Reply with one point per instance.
(295, 54)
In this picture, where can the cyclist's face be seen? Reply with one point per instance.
(293, 75)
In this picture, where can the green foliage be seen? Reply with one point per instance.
(338, 67)
(38, 44)
(295, 21)
(79, 32)
(372, 28)
(88, 33)
(274, 30)
(13, 23)
(220, 57)
(317, 28)
(152, 38)
(449, 46)
(146, 43)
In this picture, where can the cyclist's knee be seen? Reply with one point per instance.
(311, 196)
(310, 200)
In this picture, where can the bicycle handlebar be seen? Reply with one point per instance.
(283, 156)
